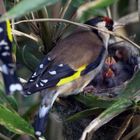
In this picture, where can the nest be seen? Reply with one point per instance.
(115, 74)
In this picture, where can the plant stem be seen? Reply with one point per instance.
(4, 137)
(81, 25)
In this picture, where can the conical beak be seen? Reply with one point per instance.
(117, 25)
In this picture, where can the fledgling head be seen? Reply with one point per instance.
(103, 23)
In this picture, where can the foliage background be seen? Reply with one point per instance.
(33, 40)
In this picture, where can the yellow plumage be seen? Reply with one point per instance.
(71, 78)
(9, 31)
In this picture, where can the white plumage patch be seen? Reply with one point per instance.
(1, 30)
(34, 75)
(52, 72)
(3, 42)
(37, 85)
(15, 87)
(41, 84)
(31, 80)
(41, 66)
(44, 81)
(38, 133)
(4, 69)
(43, 110)
(60, 65)
(5, 54)
(6, 48)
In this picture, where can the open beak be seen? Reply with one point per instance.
(109, 73)
(110, 61)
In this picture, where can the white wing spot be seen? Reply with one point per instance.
(37, 85)
(5, 54)
(41, 84)
(44, 81)
(52, 72)
(34, 75)
(4, 69)
(41, 66)
(3, 42)
(6, 47)
(1, 30)
(60, 65)
(15, 87)
(31, 80)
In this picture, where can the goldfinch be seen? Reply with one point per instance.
(69, 67)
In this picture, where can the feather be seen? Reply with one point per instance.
(49, 78)
(65, 64)
(11, 81)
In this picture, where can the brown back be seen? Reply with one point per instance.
(81, 47)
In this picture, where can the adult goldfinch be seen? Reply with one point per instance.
(69, 67)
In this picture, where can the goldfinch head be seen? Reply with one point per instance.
(104, 24)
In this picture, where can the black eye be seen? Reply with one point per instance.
(109, 27)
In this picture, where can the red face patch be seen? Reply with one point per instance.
(109, 23)
(107, 20)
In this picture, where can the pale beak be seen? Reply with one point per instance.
(117, 25)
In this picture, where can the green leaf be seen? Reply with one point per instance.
(89, 8)
(82, 114)
(118, 107)
(26, 6)
(8, 101)
(13, 122)
(94, 101)
(126, 99)
(29, 59)
(77, 3)
(132, 88)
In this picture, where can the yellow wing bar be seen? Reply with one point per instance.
(71, 78)
(9, 31)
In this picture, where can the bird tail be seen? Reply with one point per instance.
(41, 121)
(42, 116)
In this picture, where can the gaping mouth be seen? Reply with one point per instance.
(109, 62)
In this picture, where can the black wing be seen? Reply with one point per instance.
(11, 81)
(48, 76)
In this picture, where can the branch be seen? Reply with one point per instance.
(19, 33)
(80, 25)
